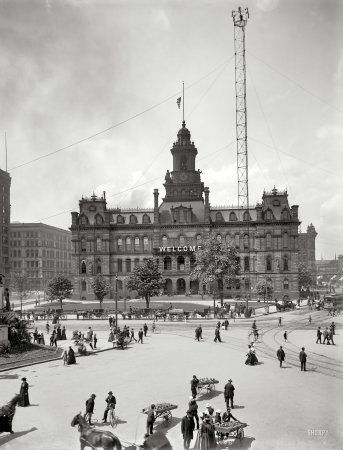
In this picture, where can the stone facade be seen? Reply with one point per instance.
(307, 247)
(114, 241)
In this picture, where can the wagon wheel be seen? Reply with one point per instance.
(210, 389)
(250, 333)
(113, 419)
(167, 418)
(240, 434)
(157, 330)
(63, 316)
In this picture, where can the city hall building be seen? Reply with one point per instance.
(113, 241)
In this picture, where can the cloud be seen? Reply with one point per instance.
(160, 18)
(339, 73)
(329, 130)
(267, 5)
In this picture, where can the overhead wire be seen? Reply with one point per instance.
(297, 84)
(120, 123)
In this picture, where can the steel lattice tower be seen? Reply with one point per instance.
(240, 19)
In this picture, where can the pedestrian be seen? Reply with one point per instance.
(285, 336)
(310, 320)
(53, 340)
(64, 357)
(64, 336)
(110, 336)
(111, 403)
(302, 358)
(145, 328)
(187, 428)
(326, 336)
(71, 356)
(194, 386)
(140, 336)
(150, 420)
(24, 393)
(193, 406)
(280, 355)
(217, 335)
(200, 328)
(333, 326)
(319, 336)
(197, 334)
(110, 321)
(90, 408)
(229, 393)
(59, 333)
(95, 340)
(280, 321)
(42, 338)
(35, 335)
(47, 327)
(132, 336)
(234, 316)
(226, 324)
(330, 338)
(90, 337)
(206, 438)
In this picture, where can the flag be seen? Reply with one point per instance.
(178, 102)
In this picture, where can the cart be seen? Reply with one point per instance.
(120, 342)
(234, 429)
(162, 411)
(207, 386)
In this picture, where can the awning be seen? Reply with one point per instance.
(319, 277)
(333, 278)
(341, 279)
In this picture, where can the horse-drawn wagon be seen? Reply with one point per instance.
(234, 429)
(177, 314)
(207, 386)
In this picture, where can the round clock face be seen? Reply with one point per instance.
(183, 176)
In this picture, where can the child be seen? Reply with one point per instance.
(153, 326)
(310, 320)
(95, 339)
(285, 336)
(217, 417)
(47, 326)
(64, 357)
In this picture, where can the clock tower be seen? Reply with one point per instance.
(184, 182)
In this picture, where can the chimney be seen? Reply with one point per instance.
(156, 214)
(258, 209)
(207, 205)
(295, 211)
(74, 216)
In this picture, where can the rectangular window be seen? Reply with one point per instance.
(4, 219)
(120, 265)
(4, 229)
(19, 264)
(128, 265)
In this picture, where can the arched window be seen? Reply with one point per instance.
(192, 262)
(145, 243)
(83, 220)
(27, 253)
(199, 239)
(285, 240)
(120, 219)
(19, 252)
(167, 263)
(83, 245)
(183, 192)
(286, 283)
(83, 286)
(269, 263)
(268, 241)
(128, 265)
(133, 218)
(120, 244)
(180, 263)
(15, 253)
(182, 240)
(136, 262)
(128, 244)
(237, 240)
(184, 159)
(246, 263)
(120, 265)
(285, 262)
(246, 216)
(137, 244)
(219, 237)
(219, 217)
(164, 241)
(146, 218)
(98, 220)
(98, 266)
(246, 241)
(233, 216)
(36, 253)
(83, 267)
(32, 253)
(120, 284)
(284, 214)
(268, 215)
(246, 283)
(228, 239)
(175, 193)
(98, 244)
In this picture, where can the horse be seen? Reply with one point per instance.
(90, 437)
(7, 413)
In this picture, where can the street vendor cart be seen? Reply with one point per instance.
(234, 429)
(207, 386)
(162, 411)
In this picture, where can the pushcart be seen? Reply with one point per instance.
(207, 386)
(163, 412)
(233, 429)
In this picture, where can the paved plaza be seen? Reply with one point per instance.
(284, 408)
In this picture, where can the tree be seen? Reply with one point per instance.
(264, 287)
(216, 262)
(101, 287)
(146, 280)
(21, 285)
(59, 287)
(305, 276)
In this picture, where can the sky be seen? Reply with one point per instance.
(95, 83)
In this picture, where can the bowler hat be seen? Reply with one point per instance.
(230, 380)
(110, 392)
(23, 379)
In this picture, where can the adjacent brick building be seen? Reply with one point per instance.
(5, 214)
(112, 241)
(307, 247)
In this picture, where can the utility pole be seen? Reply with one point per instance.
(240, 18)
(116, 302)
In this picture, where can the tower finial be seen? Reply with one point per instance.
(183, 101)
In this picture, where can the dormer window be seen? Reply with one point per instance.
(98, 220)
(146, 218)
(120, 219)
(133, 219)
(276, 203)
(232, 216)
(219, 217)
(246, 216)
(83, 220)
(268, 215)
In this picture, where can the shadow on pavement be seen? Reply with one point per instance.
(9, 377)
(10, 437)
(238, 407)
(161, 427)
(205, 396)
(245, 444)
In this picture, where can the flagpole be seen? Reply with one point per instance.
(6, 150)
(183, 100)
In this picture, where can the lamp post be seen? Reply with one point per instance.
(116, 302)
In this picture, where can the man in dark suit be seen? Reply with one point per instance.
(194, 386)
(140, 336)
(217, 335)
(302, 358)
(319, 336)
(187, 428)
(229, 393)
(145, 328)
(280, 355)
(111, 403)
(90, 408)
